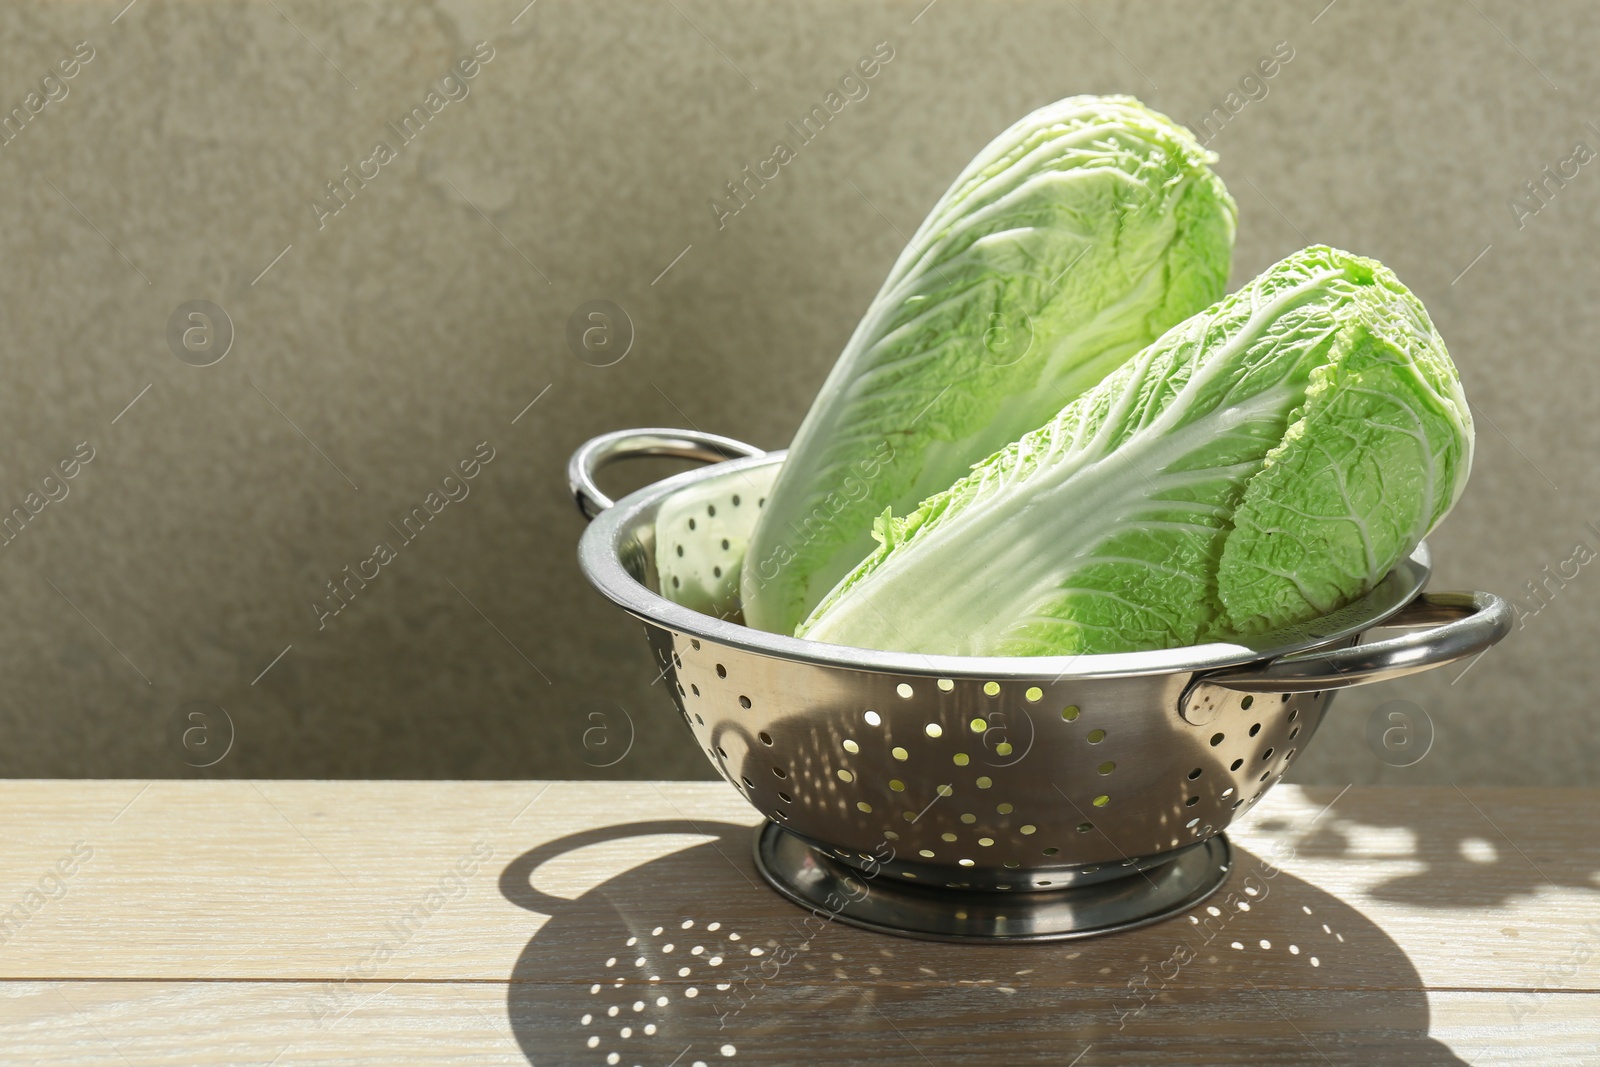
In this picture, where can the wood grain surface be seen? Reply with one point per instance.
(408, 922)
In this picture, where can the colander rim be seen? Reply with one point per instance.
(600, 558)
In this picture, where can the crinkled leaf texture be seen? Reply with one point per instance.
(1259, 465)
(1072, 241)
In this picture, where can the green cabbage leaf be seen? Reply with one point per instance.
(1070, 243)
(1261, 464)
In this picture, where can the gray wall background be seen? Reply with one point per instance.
(379, 350)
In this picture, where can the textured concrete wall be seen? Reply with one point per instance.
(376, 348)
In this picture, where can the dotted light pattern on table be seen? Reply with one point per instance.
(1304, 948)
(633, 1000)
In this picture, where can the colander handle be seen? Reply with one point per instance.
(606, 449)
(1458, 625)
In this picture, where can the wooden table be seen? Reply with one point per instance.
(298, 923)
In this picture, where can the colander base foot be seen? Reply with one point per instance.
(821, 884)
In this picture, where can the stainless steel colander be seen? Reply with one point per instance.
(964, 798)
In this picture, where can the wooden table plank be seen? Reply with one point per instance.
(404, 921)
(301, 880)
(223, 1023)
